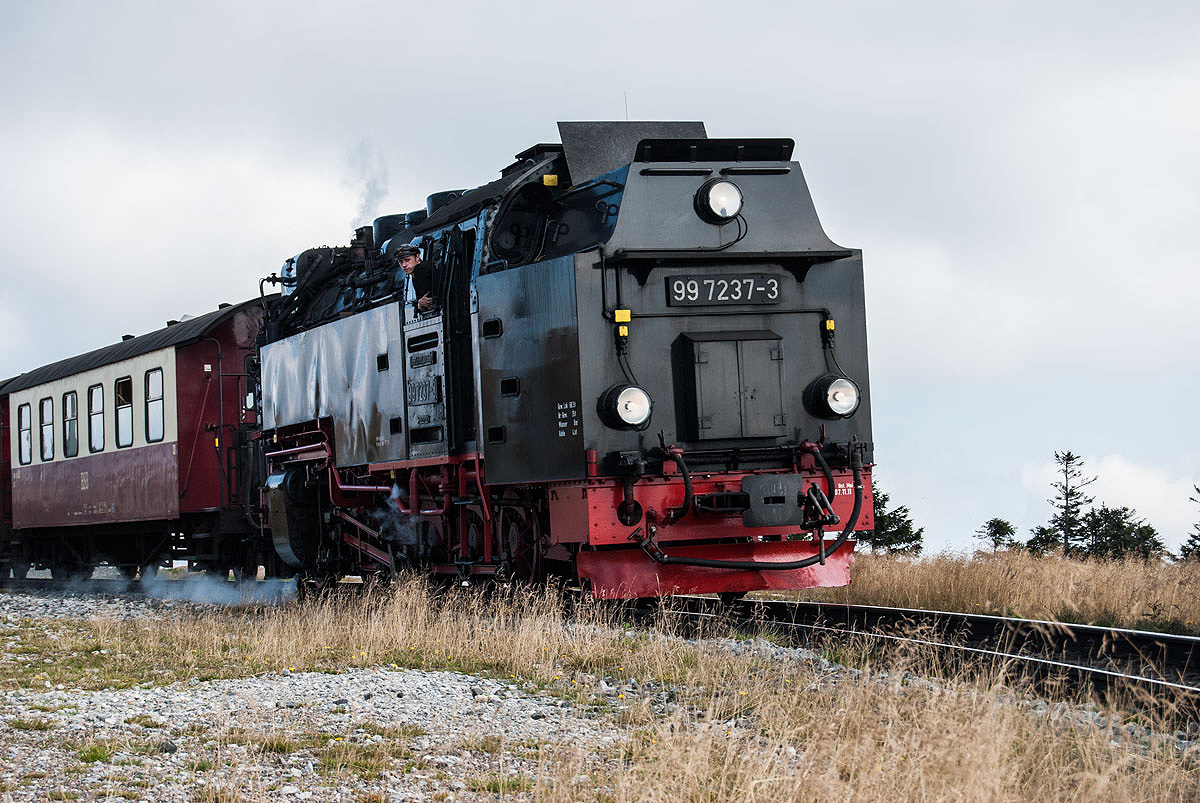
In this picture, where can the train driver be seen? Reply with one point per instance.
(420, 278)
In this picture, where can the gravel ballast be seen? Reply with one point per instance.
(379, 733)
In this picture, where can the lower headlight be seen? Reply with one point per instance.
(832, 396)
(627, 406)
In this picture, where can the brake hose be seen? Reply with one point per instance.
(658, 556)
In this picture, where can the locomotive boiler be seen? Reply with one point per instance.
(644, 368)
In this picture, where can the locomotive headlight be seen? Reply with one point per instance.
(718, 201)
(832, 396)
(626, 406)
(842, 396)
(633, 406)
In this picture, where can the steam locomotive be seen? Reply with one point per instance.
(641, 365)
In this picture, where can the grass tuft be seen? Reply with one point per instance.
(1145, 595)
(96, 751)
(33, 724)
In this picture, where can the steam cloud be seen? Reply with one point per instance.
(395, 526)
(366, 169)
(210, 590)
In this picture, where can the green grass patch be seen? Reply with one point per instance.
(405, 731)
(500, 785)
(96, 751)
(490, 744)
(364, 760)
(281, 744)
(32, 724)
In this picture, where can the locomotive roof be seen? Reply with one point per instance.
(591, 149)
(175, 334)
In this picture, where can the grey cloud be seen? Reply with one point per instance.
(1021, 176)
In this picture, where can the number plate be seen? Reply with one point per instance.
(693, 291)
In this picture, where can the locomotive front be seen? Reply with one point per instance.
(693, 390)
(644, 367)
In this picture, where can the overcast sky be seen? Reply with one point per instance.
(1023, 179)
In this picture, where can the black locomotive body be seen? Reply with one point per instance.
(645, 367)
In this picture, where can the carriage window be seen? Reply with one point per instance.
(96, 418)
(25, 439)
(70, 424)
(46, 421)
(154, 406)
(123, 390)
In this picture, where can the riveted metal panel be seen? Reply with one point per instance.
(717, 386)
(735, 384)
(760, 363)
(530, 373)
(425, 350)
(595, 148)
(337, 371)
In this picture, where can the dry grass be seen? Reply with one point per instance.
(1118, 593)
(745, 728)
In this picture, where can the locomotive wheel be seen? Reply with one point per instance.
(522, 541)
(431, 543)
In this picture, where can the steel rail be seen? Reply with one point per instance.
(1172, 686)
(1175, 657)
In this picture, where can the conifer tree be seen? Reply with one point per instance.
(894, 529)
(1069, 503)
(1044, 539)
(1191, 547)
(998, 534)
(1117, 532)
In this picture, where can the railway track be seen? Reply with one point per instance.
(1128, 667)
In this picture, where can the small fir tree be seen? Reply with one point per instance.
(894, 531)
(1044, 540)
(998, 534)
(1191, 547)
(1069, 502)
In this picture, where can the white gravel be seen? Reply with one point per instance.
(450, 731)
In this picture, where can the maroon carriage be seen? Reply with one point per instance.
(133, 454)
